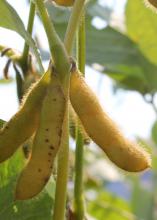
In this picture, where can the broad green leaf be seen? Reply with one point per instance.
(121, 59)
(110, 207)
(10, 19)
(154, 132)
(142, 28)
(38, 208)
(11, 167)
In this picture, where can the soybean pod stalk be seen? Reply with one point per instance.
(79, 208)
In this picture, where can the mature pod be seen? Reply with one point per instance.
(65, 3)
(23, 124)
(102, 129)
(45, 145)
(73, 123)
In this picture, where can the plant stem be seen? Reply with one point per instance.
(79, 209)
(78, 187)
(57, 49)
(24, 59)
(81, 45)
(73, 24)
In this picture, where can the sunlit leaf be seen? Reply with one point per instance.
(10, 19)
(142, 28)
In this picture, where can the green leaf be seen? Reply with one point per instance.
(121, 59)
(10, 19)
(154, 132)
(142, 28)
(107, 206)
(38, 208)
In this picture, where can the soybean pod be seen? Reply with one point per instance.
(102, 129)
(23, 124)
(45, 145)
(73, 123)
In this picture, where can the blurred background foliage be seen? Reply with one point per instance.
(127, 53)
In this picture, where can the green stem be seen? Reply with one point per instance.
(73, 24)
(81, 45)
(78, 187)
(79, 208)
(24, 59)
(57, 49)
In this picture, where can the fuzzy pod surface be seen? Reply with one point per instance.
(45, 145)
(103, 130)
(23, 124)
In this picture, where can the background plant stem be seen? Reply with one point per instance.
(57, 49)
(73, 24)
(79, 209)
(24, 59)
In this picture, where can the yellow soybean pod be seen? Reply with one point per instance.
(45, 145)
(73, 123)
(101, 128)
(23, 124)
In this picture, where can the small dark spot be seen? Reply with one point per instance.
(46, 129)
(39, 170)
(51, 167)
(49, 161)
(50, 154)
(54, 100)
(7, 127)
(51, 147)
(47, 140)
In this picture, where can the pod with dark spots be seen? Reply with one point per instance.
(45, 145)
(101, 128)
(23, 124)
